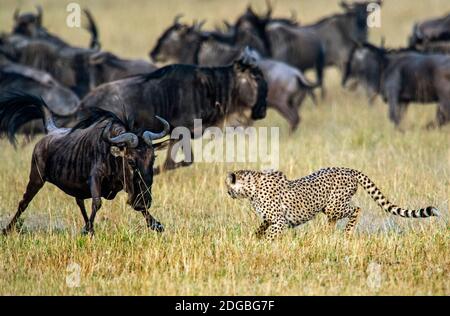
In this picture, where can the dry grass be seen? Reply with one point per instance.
(208, 247)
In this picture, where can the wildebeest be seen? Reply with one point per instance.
(182, 93)
(432, 30)
(30, 25)
(403, 76)
(61, 100)
(80, 69)
(327, 42)
(15, 77)
(106, 67)
(287, 86)
(339, 31)
(96, 159)
(287, 42)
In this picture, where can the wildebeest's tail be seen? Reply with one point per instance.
(304, 83)
(16, 109)
(383, 202)
(92, 28)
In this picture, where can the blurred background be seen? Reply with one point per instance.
(130, 28)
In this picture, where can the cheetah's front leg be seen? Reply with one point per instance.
(276, 229)
(262, 229)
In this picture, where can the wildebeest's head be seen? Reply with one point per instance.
(27, 23)
(135, 157)
(365, 64)
(250, 30)
(177, 43)
(359, 12)
(251, 87)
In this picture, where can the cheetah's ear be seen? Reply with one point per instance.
(273, 172)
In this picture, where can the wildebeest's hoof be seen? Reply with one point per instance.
(156, 170)
(86, 231)
(431, 125)
(157, 226)
(186, 163)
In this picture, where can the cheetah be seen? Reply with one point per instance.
(283, 203)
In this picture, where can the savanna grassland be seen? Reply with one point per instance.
(208, 247)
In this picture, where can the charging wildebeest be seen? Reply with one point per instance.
(287, 86)
(403, 76)
(97, 158)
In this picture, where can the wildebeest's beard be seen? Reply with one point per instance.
(260, 107)
(139, 180)
(134, 162)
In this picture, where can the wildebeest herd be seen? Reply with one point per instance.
(103, 115)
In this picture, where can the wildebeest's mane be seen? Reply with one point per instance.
(383, 50)
(223, 38)
(164, 71)
(325, 19)
(95, 115)
(115, 61)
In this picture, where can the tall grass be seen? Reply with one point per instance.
(208, 246)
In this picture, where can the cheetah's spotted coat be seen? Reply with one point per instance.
(285, 203)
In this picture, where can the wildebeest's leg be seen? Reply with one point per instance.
(34, 185)
(95, 187)
(170, 164)
(320, 63)
(443, 112)
(152, 222)
(392, 88)
(289, 113)
(396, 110)
(80, 204)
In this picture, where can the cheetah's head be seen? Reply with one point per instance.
(241, 183)
(246, 183)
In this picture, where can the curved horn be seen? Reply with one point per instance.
(269, 9)
(128, 138)
(39, 15)
(149, 137)
(16, 14)
(200, 25)
(382, 41)
(177, 18)
(294, 15)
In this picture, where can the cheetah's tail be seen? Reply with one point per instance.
(383, 202)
